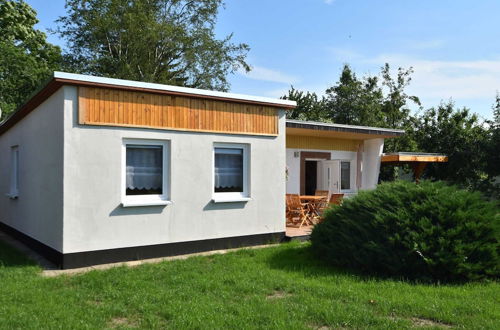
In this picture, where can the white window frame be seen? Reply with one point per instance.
(14, 172)
(227, 197)
(146, 200)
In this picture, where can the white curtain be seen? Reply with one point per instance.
(144, 167)
(229, 168)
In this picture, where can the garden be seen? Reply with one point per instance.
(282, 286)
(390, 280)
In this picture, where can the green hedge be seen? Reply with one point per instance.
(429, 231)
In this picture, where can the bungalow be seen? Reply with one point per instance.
(96, 170)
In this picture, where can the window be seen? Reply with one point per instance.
(231, 172)
(14, 172)
(145, 173)
(345, 175)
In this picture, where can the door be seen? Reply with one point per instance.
(331, 176)
(311, 176)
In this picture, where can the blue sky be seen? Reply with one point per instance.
(453, 45)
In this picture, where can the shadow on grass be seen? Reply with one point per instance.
(300, 258)
(11, 257)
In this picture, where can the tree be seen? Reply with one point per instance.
(354, 102)
(458, 134)
(163, 41)
(309, 105)
(396, 103)
(493, 161)
(26, 59)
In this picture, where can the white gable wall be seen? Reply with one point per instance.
(38, 210)
(95, 220)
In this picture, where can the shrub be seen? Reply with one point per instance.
(429, 231)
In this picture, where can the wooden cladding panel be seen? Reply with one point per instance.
(414, 158)
(321, 143)
(113, 107)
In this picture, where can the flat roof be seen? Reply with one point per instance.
(132, 84)
(59, 79)
(413, 157)
(361, 131)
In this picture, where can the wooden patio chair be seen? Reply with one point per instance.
(297, 212)
(287, 212)
(321, 206)
(336, 199)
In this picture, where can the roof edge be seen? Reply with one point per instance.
(38, 98)
(169, 89)
(59, 79)
(292, 123)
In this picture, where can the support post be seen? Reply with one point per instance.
(418, 169)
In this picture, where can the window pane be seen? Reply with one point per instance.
(144, 170)
(345, 175)
(14, 171)
(228, 170)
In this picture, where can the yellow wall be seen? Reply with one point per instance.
(321, 143)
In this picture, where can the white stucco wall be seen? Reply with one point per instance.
(94, 219)
(372, 152)
(38, 211)
(293, 164)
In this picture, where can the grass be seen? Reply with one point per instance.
(277, 287)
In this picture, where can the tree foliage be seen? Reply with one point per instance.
(26, 58)
(353, 101)
(458, 134)
(473, 146)
(163, 41)
(359, 101)
(493, 161)
(309, 105)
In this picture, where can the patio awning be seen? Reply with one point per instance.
(413, 157)
(417, 160)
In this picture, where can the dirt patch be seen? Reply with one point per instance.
(418, 322)
(318, 327)
(95, 302)
(278, 295)
(122, 322)
(421, 322)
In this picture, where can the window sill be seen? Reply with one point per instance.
(230, 199)
(145, 203)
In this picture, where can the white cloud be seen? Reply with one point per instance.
(445, 79)
(265, 74)
(434, 79)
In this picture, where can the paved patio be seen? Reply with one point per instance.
(303, 231)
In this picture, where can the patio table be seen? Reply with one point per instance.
(313, 202)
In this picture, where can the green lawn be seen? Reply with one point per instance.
(278, 287)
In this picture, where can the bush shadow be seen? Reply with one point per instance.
(300, 258)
